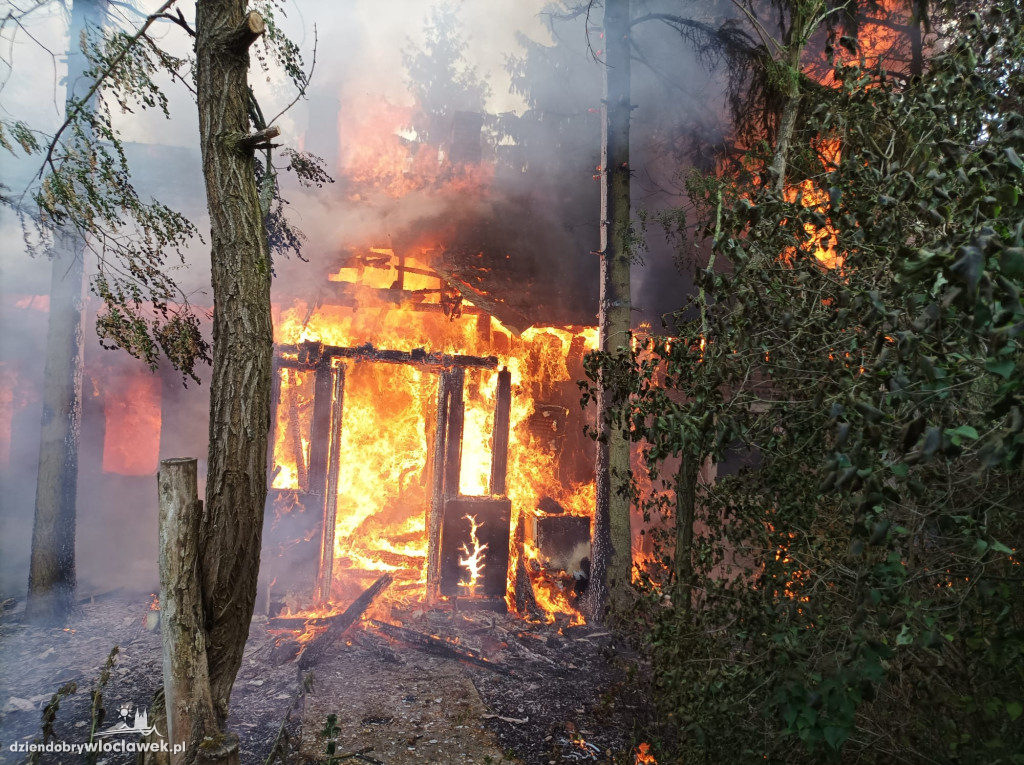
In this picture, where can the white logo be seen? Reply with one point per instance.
(138, 724)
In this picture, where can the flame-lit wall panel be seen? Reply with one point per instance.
(131, 409)
(492, 518)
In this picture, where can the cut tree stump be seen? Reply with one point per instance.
(187, 696)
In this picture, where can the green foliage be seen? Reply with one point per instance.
(330, 732)
(276, 47)
(857, 596)
(86, 190)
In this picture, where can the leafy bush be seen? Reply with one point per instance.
(857, 595)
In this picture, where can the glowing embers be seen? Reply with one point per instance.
(474, 548)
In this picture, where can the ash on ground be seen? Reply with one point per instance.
(556, 693)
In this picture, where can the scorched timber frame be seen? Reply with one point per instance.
(328, 364)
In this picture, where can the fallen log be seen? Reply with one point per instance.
(317, 647)
(438, 646)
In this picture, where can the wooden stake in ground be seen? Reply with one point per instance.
(189, 703)
(318, 646)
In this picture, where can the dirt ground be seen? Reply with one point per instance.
(553, 693)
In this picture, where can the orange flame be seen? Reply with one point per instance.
(644, 756)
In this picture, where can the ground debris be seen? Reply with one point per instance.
(392, 704)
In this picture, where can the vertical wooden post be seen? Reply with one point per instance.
(526, 599)
(325, 573)
(502, 415)
(453, 447)
(437, 485)
(320, 429)
(275, 402)
(189, 704)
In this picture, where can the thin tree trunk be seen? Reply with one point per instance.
(915, 33)
(611, 558)
(236, 485)
(686, 509)
(51, 581)
(787, 119)
(805, 17)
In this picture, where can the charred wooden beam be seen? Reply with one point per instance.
(492, 603)
(466, 310)
(526, 599)
(301, 357)
(506, 314)
(318, 646)
(320, 429)
(438, 646)
(275, 402)
(436, 509)
(483, 328)
(325, 573)
(293, 427)
(400, 281)
(502, 415)
(453, 444)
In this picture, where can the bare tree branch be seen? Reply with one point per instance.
(302, 88)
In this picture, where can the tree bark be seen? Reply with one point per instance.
(51, 581)
(915, 33)
(787, 118)
(686, 510)
(804, 19)
(611, 558)
(236, 485)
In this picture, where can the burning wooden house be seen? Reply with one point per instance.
(426, 407)
(418, 454)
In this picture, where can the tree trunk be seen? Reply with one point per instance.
(787, 119)
(915, 33)
(236, 485)
(686, 510)
(611, 558)
(51, 581)
(805, 17)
